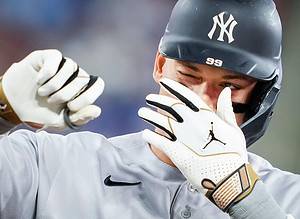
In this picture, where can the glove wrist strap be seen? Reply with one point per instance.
(233, 188)
(6, 111)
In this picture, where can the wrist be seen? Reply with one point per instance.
(234, 188)
(6, 111)
(258, 204)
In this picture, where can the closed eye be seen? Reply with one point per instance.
(187, 75)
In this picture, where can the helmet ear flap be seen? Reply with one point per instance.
(259, 93)
(263, 100)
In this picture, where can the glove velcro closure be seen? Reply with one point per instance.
(233, 188)
(6, 111)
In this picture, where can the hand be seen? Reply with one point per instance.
(206, 146)
(49, 90)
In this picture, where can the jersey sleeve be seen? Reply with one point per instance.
(29, 163)
(33, 164)
(18, 175)
(259, 204)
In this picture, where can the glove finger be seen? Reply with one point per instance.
(39, 58)
(85, 115)
(224, 107)
(67, 71)
(158, 140)
(70, 90)
(46, 62)
(179, 155)
(187, 96)
(89, 94)
(164, 103)
(158, 120)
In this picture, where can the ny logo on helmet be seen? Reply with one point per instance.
(225, 28)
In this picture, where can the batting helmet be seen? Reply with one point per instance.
(243, 36)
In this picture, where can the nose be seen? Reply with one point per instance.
(208, 92)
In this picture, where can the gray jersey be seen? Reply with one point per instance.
(53, 176)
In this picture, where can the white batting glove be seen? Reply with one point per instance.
(48, 89)
(208, 147)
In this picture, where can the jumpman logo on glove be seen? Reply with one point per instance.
(212, 136)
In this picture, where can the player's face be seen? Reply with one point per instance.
(206, 81)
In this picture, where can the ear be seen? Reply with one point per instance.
(158, 67)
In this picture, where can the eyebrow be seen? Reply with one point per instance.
(189, 65)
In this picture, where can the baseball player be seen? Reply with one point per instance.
(219, 67)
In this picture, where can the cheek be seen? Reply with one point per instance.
(163, 92)
(169, 71)
(243, 95)
(240, 96)
(240, 118)
(170, 74)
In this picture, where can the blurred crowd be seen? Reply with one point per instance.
(115, 39)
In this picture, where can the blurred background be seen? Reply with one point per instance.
(118, 39)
